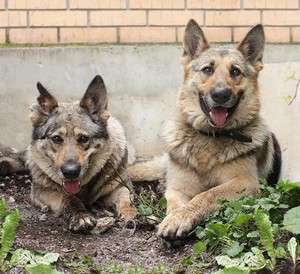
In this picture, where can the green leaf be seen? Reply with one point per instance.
(145, 210)
(264, 226)
(47, 259)
(218, 229)
(8, 233)
(242, 219)
(21, 257)
(199, 247)
(234, 250)
(254, 261)
(186, 261)
(253, 234)
(163, 202)
(291, 220)
(232, 270)
(286, 185)
(292, 248)
(3, 209)
(41, 269)
(200, 232)
(280, 252)
(226, 261)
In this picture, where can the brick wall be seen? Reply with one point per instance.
(143, 21)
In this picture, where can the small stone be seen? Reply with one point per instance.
(103, 224)
(43, 218)
(11, 200)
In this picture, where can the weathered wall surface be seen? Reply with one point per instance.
(143, 21)
(142, 83)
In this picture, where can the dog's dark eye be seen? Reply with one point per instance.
(83, 139)
(56, 139)
(208, 70)
(235, 71)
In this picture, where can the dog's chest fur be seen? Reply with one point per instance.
(202, 153)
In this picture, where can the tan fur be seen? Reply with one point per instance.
(203, 169)
(102, 158)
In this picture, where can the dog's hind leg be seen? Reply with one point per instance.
(120, 200)
(11, 161)
(151, 170)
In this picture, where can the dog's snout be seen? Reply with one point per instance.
(71, 170)
(221, 95)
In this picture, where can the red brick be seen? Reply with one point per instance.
(213, 4)
(232, 18)
(33, 36)
(117, 18)
(88, 35)
(174, 18)
(147, 35)
(58, 18)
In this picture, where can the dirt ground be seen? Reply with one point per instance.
(43, 231)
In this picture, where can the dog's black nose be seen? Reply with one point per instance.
(71, 170)
(221, 95)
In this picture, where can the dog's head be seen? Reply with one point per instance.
(220, 85)
(66, 135)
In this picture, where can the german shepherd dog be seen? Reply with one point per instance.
(218, 145)
(78, 157)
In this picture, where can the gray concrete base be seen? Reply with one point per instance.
(142, 82)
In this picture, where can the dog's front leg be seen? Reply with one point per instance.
(182, 220)
(72, 208)
(76, 215)
(121, 201)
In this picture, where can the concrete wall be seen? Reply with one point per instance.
(142, 83)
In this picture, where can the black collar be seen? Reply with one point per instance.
(232, 134)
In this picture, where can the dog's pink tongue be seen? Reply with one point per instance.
(218, 116)
(72, 187)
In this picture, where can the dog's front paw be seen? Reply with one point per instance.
(82, 222)
(177, 224)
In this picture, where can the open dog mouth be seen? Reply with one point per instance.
(218, 115)
(71, 186)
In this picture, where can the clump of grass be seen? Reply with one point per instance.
(251, 234)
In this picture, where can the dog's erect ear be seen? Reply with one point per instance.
(46, 104)
(46, 101)
(95, 100)
(252, 47)
(194, 41)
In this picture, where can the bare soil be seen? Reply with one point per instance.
(45, 232)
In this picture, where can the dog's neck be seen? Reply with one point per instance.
(231, 134)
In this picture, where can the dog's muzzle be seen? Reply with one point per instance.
(219, 105)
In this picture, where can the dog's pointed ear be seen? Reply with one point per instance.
(95, 99)
(252, 47)
(194, 41)
(46, 101)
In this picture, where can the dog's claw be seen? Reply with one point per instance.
(176, 225)
(82, 222)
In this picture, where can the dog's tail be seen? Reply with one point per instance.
(12, 161)
(151, 170)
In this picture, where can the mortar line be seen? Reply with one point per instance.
(118, 35)
(58, 35)
(28, 19)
